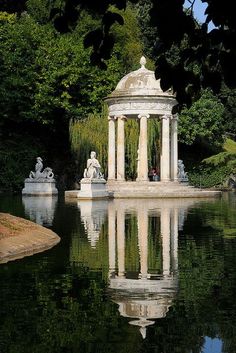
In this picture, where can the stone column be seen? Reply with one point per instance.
(121, 242)
(143, 152)
(174, 147)
(142, 216)
(111, 148)
(165, 235)
(165, 148)
(121, 148)
(112, 238)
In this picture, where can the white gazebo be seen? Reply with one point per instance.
(139, 95)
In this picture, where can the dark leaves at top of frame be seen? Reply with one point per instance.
(221, 14)
(171, 21)
(110, 18)
(61, 24)
(211, 78)
(227, 61)
(94, 38)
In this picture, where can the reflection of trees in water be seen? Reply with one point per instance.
(131, 245)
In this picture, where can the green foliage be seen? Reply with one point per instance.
(221, 158)
(149, 33)
(89, 135)
(207, 177)
(47, 74)
(128, 46)
(19, 42)
(92, 134)
(203, 121)
(229, 145)
(228, 98)
(47, 79)
(215, 170)
(226, 158)
(6, 17)
(39, 10)
(17, 158)
(212, 52)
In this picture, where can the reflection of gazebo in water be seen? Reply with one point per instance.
(139, 96)
(150, 296)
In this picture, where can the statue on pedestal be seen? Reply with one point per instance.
(93, 184)
(182, 175)
(39, 174)
(40, 182)
(93, 170)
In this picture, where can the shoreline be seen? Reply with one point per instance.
(20, 238)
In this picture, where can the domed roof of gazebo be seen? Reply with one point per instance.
(141, 82)
(140, 93)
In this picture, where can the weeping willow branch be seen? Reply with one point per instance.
(91, 134)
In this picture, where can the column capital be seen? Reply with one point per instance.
(121, 117)
(166, 117)
(143, 115)
(113, 118)
(175, 116)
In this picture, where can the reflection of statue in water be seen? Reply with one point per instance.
(40, 209)
(182, 175)
(93, 168)
(39, 174)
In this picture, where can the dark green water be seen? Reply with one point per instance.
(143, 276)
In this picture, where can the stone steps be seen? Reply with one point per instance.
(156, 190)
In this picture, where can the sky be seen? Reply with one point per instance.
(212, 345)
(199, 9)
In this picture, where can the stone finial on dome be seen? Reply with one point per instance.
(143, 62)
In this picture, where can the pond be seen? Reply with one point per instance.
(128, 276)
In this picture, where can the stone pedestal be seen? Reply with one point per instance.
(92, 189)
(45, 187)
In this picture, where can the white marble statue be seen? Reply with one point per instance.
(39, 172)
(93, 170)
(182, 175)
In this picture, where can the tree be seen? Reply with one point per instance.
(228, 98)
(203, 121)
(46, 81)
(44, 75)
(214, 52)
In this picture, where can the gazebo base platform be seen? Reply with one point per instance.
(133, 189)
(148, 190)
